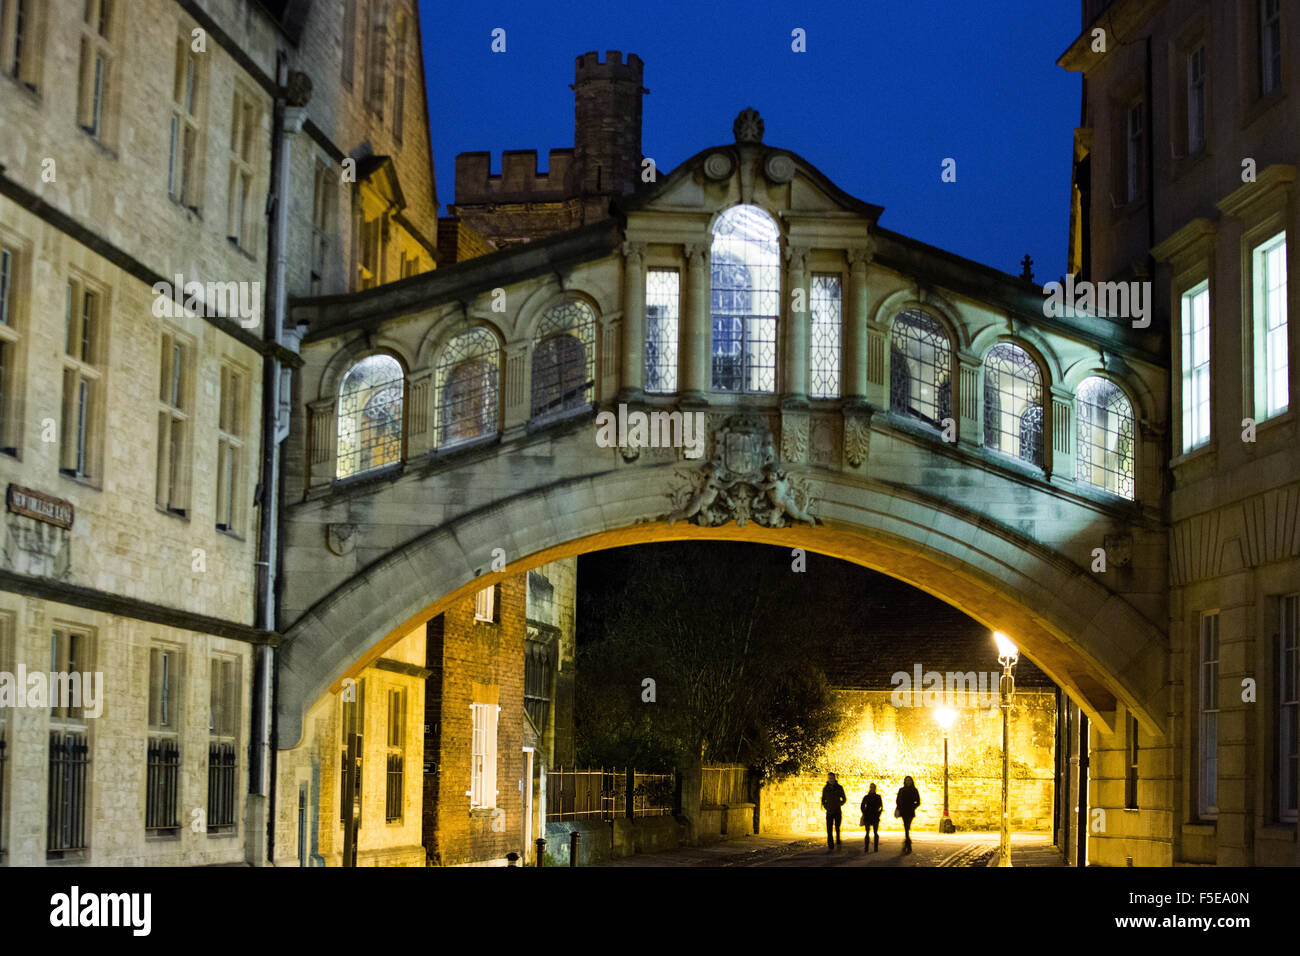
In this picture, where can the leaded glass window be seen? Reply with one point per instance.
(466, 382)
(1104, 422)
(370, 415)
(564, 359)
(920, 368)
(824, 343)
(662, 298)
(746, 295)
(1013, 403)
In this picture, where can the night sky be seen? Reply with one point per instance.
(886, 90)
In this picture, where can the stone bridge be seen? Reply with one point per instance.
(866, 396)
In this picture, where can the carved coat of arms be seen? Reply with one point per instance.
(744, 481)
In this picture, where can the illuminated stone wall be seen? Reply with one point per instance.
(880, 743)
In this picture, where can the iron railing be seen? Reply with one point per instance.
(652, 794)
(162, 784)
(724, 786)
(607, 794)
(66, 808)
(222, 771)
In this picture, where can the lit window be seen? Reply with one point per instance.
(564, 360)
(485, 605)
(370, 416)
(1272, 369)
(466, 382)
(1196, 366)
(1013, 403)
(482, 791)
(920, 368)
(662, 299)
(824, 343)
(745, 261)
(1104, 421)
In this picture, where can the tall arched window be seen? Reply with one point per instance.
(466, 383)
(370, 415)
(920, 368)
(1013, 403)
(1103, 418)
(746, 300)
(564, 359)
(824, 340)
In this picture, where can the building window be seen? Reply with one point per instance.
(1208, 765)
(223, 742)
(376, 57)
(824, 342)
(1196, 366)
(18, 41)
(173, 479)
(482, 791)
(1104, 420)
(745, 267)
(353, 729)
(466, 383)
(920, 368)
(1131, 766)
(1288, 708)
(302, 824)
(662, 303)
(230, 450)
(539, 666)
(485, 605)
(245, 124)
(394, 790)
(182, 168)
(1270, 46)
(399, 78)
(1272, 369)
(370, 252)
(564, 360)
(71, 654)
(370, 416)
(1135, 136)
(163, 752)
(1013, 403)
(83, 328)
(349, 39)
(97, 61)
(10, 411)
(324, 206)
(1196, 100)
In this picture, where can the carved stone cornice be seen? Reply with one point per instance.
(860, 255)
(634, 252)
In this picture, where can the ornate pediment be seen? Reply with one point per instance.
(743, 481)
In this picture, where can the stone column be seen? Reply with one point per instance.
(323, 433)
(1058, 456)
(696, 327)
(632, 385)
(420, 437)
(518, 400)
(794, 372)
(854, 362)
(969, 399)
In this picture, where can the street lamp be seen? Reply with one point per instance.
(1008, 654)
(945, 717)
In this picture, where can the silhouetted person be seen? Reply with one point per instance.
(832, 799)
(905, 809)
(872, 806)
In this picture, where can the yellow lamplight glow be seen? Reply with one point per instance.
(1008, 653)
(945, 716)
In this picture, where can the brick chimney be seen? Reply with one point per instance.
(606, 129)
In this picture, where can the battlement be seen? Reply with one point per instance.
(589, 67)
(519, 179)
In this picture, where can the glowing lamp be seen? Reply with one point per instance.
(1008, 653)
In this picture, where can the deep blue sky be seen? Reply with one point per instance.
(886, 90)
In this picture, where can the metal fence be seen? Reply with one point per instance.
(652, 794)
(66, 820)
(725, 785)
(222, 769)
(607, 794)
(162, 784)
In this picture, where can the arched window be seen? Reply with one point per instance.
(370, 415)
(1104, 422)
(746, 300)
(920, 368)
(564, 359)
(466, 383)
(1013, 403)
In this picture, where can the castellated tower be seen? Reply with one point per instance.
(606, 128)
(520, 204)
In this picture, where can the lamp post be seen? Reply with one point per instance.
(945, 717)
(1008, 654)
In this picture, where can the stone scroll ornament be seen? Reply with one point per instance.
(744, 481)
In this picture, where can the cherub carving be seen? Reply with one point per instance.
(780, 496)
(705, 494)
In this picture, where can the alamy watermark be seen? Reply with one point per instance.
(1123, 300)
(79, 690)
(944, 689)
(226, 300)
(658, 429)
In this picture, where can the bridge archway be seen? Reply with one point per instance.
(1088, 639)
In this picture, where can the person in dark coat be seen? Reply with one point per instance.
(905, 809)
(872, 806)
(832, 799)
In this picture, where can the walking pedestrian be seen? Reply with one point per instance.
(872, 806)
(832, 799)
(909, 798)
